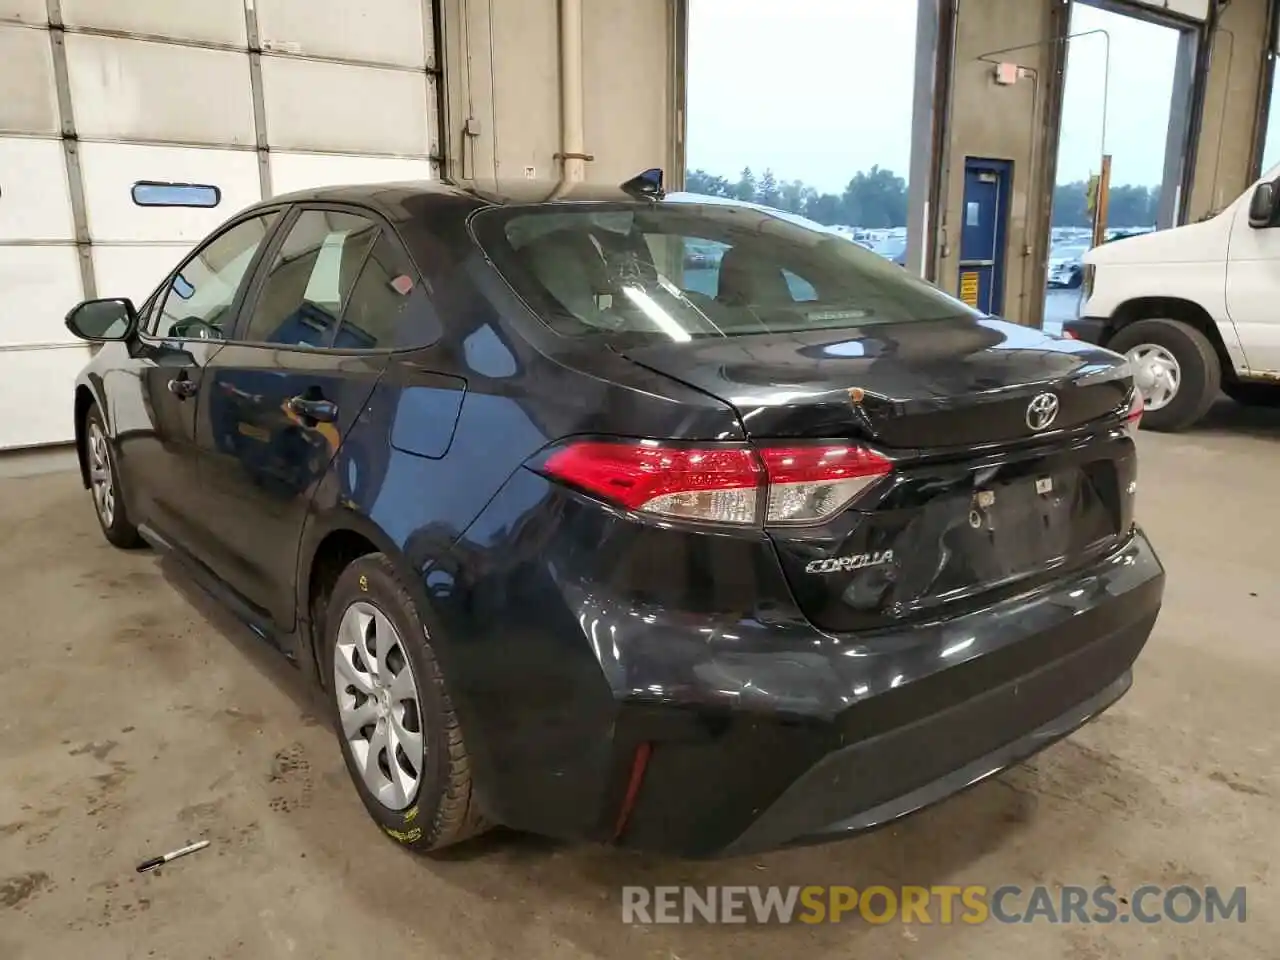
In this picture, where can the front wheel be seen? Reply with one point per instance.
(1174, 367)
(104, 483)
(396, 725)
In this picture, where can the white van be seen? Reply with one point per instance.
(1196, 308)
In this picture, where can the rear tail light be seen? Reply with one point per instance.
(793, 484)
(1133, 419)
(1068, 335)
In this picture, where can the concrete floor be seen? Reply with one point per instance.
(135, 718)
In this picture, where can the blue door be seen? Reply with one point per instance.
(983, 233)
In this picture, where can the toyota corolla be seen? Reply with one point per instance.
(578, 547)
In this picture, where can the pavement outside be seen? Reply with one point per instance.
(135, 718)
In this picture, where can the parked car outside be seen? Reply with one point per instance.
(1066, 267)
(574, 548)
(893, 249)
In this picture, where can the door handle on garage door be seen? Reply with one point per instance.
(310, 408)
(182, 388)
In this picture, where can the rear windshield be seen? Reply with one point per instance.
(679, 271)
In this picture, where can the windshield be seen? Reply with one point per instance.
(680, 271)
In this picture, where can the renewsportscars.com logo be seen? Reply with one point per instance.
(1147, 904)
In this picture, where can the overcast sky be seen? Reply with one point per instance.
(820, 89)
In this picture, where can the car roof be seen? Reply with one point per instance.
(488, 194)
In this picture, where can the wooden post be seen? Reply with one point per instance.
(1101, 203)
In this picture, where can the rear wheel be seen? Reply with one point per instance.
(399, 734)
(104, 484)
(1176, 369)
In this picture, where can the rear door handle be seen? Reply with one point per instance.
(182, 388)
(320, 411)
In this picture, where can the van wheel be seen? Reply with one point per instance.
(1176, 369)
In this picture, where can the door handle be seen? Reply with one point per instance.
(309, 408)
(182, 388)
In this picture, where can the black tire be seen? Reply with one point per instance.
(119, 529)
(1198, 361)
(1075, 280)
(443, 810)
(1252, 394)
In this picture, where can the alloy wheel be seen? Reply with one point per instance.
(378, 705)
(100, 479)
(1157, 374)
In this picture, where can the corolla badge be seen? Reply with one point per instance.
(856, 561)
(1042, 411)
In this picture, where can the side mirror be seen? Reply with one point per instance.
(101, 321)
(1262, 206)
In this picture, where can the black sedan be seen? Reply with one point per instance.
(576, 548)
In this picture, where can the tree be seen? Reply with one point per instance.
(767, 192)
(701, 182)
(877, 198)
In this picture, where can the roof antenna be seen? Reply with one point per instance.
(645, 186)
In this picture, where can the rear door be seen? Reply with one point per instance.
(283, 396)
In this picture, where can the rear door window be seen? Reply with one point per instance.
(389, 308)
(305, 290)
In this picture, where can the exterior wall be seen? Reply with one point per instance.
(1237, 65)
(502, 75)
(1003, 123)
(255, 98)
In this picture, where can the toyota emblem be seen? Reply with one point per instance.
(1042, 411)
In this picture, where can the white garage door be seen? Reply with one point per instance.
(178, 125)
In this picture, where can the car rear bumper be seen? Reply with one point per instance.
(594, 715)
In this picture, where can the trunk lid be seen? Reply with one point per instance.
(924, 384)
(984, 500)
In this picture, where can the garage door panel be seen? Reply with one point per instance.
(26, 11)
(37, 391)
(143, 90)
(214, 21)
(35, 202)
(302, 171)
(40, 285)
(344, 109)
(390, 31)
(135, 271)
(29, 103)
(110, 171)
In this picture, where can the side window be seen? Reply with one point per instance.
(311, 278)
(201, 294)
(388, 308)
(801, 289)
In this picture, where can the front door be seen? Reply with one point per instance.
(1253, 288)
(182, 328)
(281, 400)
(983, 234)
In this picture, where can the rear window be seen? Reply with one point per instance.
(680, 271)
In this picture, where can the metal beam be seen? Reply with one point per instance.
(1173, 195)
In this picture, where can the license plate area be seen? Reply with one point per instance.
(964, 543)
